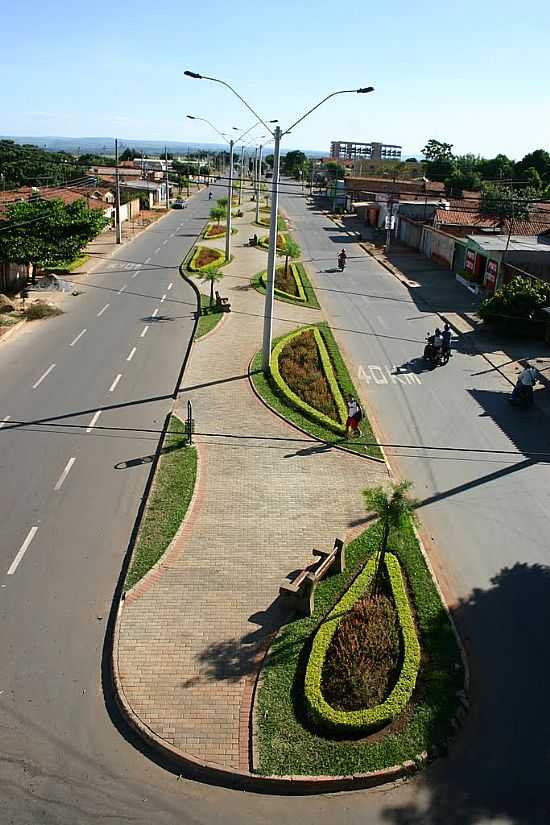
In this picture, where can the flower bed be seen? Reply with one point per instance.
(372, 718)
(214, 231)
(264, 242)
(287, 286)
(204, 257)
(302, 370)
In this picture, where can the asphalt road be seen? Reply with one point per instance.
(66, 757)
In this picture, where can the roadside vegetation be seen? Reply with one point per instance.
(210, 317)
(168, 502)
(292, 286)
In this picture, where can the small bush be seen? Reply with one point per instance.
(40, 309)
(517, 306)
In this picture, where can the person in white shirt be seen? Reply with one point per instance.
(523, 391)
(354, 416)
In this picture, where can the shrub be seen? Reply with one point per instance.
(367, 719)
(289, 284)
(300, 366)
(40, 309)
(517, 305)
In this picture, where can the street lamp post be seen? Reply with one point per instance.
(278, 134)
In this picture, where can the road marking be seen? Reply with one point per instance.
(144, 332)
(44, 375)
(101, 311)
(135, 274)
(157, 251)
(169, 286)
(165, 241)
(6, 418)
(78, 337)
(394, 375)
(122, 288)
(65, 473)
(147, 260)
(132, 354)
(22, 550)
(155, 312)
(163, 299)
(173, 235)
(113, 386)
(93, 422)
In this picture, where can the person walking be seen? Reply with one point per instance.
(355, 415)
(446, 336)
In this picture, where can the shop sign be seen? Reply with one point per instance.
(469, 260)
(491, 274)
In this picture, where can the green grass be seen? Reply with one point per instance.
(63, 267)
(286, 744)
(207, 322)
(311, 298)
(366, 445)
(168, 501)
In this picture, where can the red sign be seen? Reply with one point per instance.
(491, 273)
(469, 261)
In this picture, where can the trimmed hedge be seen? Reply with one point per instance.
(299, 286)
(221, 261)
(368, 719)
(295, 399)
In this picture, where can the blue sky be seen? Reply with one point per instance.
(474, 74)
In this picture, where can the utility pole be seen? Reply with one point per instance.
(229, 199)
(510, 228)
(117, 197)
(270, 284)
(389, 219)
(258, 183)
(241, 175)
(166, 177)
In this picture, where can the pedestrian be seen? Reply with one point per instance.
(355, 414)
(523, 391)
(446, 335)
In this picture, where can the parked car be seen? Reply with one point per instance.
(179, 204)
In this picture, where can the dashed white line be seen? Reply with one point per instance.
(78, 337)
(122, 288)
(101, 311)
(65, 473)
(163, 299)
(113, 386)
(6, 418)
(165, 241)
(132, 354)
(44, 375)
(157, 250)
(173, 235)
(170, 286)
(144, 332)
(135, 274)
(22, 550)
(154, 312)
(148, 260)
(93, 422)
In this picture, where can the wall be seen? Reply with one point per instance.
(13, 277)
(438, 246)
(133, 208)
(409, 232)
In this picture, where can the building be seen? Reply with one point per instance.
(409, 168)
(350, 150)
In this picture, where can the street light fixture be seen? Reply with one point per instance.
(277, 135)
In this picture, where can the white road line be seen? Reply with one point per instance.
(101, 311)
(112, 388)
(144, 332)
(169, 286)
(65, 473)
(135, 274)
(122, 288)
(78, 337)
(173, 235)
(155, 312)
(148, 260)
(44, 375)
(6, 418)
(132, 354)
(163, 299)
(93, 422)
(157, 251)
(165, 241)
(22, 550)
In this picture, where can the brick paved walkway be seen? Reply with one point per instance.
(266, 495)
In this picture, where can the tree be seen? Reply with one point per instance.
(217, 212)
(392, 506)
(46, 232)
(532, 178)
(539, 160)
(211, 276)
(440, 160)
(289, 249)
(496, 168)
(269, 159)
(465, 175)
(129, 154)
(335, 170)
(501, 201)
(293, 163)
(222, 202)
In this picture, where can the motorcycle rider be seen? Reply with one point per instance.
(342, 257)
(446, 336)
(523, 391)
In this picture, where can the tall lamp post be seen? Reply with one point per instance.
(278, 134)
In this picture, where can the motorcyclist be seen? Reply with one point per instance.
(342, 257)
(210, 196)
(523, 391)
(446, 336)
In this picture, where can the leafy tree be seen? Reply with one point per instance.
(289, 249)
(335, 170)
(46, 232)
(293, 162)
(520, 299)
(129, 154)
(29, 165)
(496, 168)
(217, 212)
(501, 201)
(392, 506)
(539, 160)
(210, 276)
(222, 202)
(88, 160)
(270, 160)
(532, 179)
(440, 161)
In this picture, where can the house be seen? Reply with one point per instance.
(156, 190)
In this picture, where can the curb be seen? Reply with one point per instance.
(11, 331)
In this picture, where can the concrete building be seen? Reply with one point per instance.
(350, 150)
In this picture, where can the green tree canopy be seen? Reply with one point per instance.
(392, 506)
(211, 276)
(502, 201)
(440, 161)
(217, 212)
(496, 168)
(289, 249)
(29, 165)
(293, 163)
(539, 160)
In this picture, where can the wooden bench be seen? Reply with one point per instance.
(222, 304)
(253, 241)
(299, 594)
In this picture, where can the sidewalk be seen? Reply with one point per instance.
(190, 638)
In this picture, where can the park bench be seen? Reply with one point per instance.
(222, 304)
(299, 594)
(253, 241)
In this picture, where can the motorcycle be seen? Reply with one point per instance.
(435, 356)
(341, 263)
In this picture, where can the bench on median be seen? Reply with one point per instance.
(222, 304)
(299, 594)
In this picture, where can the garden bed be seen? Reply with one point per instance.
(264, 242)
(286, 742)
(210, 317)
(283, 400)
(302, 291)
(204, 257)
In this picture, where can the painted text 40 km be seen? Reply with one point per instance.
(386, 375)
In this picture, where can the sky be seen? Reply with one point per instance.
(473, 74)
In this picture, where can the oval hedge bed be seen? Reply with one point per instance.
(213, 231)
(205, 257)
(285, 402)
(287, 743)
(365, 720)
(264, 242)
(302, 285)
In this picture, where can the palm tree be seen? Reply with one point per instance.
(217, 212)
(222, 202)
(289, 249)
(392, 506)
(212, 275)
